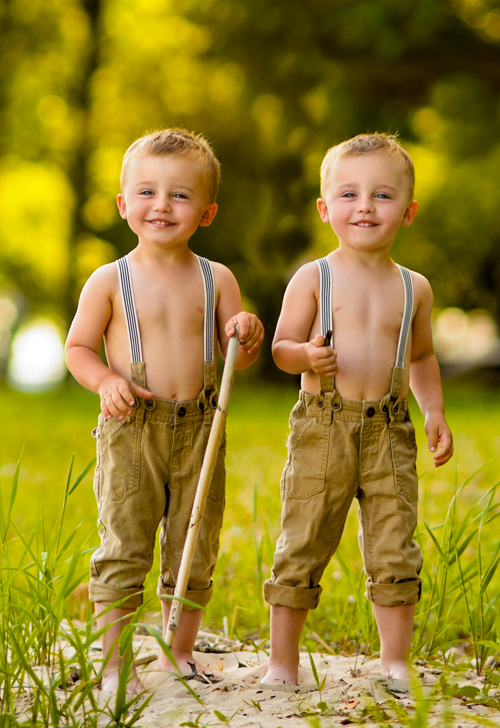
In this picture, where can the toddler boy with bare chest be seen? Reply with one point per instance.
(162, 311)
(351, 432)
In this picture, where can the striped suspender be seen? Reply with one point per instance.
(407, 315)
(327, 384)
(326, 318)
(131, 313)
(397, 372)
(134, 337)
(325, 296)
(209, 288)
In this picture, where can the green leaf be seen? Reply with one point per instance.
(84, 472)
(489, 643)
(468, 691)
(221, 716)
(493, 677)
(436, 544)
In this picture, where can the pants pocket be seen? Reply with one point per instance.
(217, 490)
(305, 470)
(119, 457)
(404, 456)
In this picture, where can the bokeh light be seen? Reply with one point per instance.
(37, 357)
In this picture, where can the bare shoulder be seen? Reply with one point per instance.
(103, 281)
(422, 288)
(306, 279)
(223, 276)
(226, 286)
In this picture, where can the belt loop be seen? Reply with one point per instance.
(141, 412)
(201, 401)
(327, 384)
(395, 408)
(138, 373)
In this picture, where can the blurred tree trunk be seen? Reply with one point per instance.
(81, 101)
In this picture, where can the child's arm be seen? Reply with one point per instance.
(229, 313)
(425, 379)
(292, 350)
(84, 341)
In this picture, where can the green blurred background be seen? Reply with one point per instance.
(272, 85)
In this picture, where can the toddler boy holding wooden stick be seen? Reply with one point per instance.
(162, 310)
(351, 432)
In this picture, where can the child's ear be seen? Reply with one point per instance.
(410, 213)
(208, 214)
(323, 210)
(120, 201)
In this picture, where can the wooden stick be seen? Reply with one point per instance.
(203, 486)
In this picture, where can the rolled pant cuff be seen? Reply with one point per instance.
(108, 595)
(294, 597)
(393, 595)
(199, 596)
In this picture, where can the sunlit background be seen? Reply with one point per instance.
(272, 85)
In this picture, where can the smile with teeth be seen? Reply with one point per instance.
(365, 224)
(161, 223)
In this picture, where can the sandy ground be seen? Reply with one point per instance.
(354, 691)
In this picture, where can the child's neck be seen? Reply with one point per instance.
(145, 253)
(373, 259)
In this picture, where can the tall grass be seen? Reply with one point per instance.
(47, 529)
(46, 675)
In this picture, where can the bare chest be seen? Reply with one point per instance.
(171, 307)
(166, 308)
(375, 311)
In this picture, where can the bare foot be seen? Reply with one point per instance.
(397, 669)
(281, 675)
(188, 666)
(110, 680)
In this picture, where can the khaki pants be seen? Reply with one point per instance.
(340, 450)
(148, 465)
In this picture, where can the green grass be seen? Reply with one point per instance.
(44, 558)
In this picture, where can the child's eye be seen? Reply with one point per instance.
(146, 193)
(382, 196)
(180, 196)
(349, 194)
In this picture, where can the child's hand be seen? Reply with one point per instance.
(439, 438)
(251, 331)
(117, 396)
(322, 359)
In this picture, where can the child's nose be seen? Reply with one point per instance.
(163, 203)
(365, 204)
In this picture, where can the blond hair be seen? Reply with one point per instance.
(386, 144)
(176, 142)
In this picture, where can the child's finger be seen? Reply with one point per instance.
(230, 327)
(113, 410)
(105, 410)
(140, 392)
(254, 336)
(318, 340)
(433, 440)
(446, 446)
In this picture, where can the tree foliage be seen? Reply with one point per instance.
(273, 86)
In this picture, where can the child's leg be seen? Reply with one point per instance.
(395, 628)
(286, 628)
(109, 641)
(185, 638)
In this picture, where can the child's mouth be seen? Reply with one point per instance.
(161, 223)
